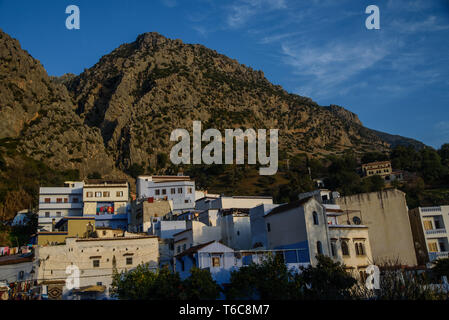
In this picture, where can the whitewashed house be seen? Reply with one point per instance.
(258, 226)
(179, 189)
(58, 202)
(301, 224)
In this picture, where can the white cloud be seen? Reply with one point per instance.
(328, 67)
(431, 23)
(241, 11)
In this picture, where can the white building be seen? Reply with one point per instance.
(235, 228)
(179, 189)
(167, 229)
(239, 202)
(301, 224)
(258, 226)
(221, 260)
(196, 233)
(429, 226)
(58, 202)
(96, 259)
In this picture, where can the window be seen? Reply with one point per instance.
(178, 249)
(184, 247)
(96, 263)
(157, 192)
(359, 249)
(189, 190)
(315, 218)
(437, 224)
(21, 274)
(179, 190)
(427, 225)
(66, 200)
(333, 249)
(104, 232)
(164, 191)
(433, 247)
(106, 194)
(215, 261)
(58, 214)
(89, 194)
(172, 191)
(47, 214)
(363, 275)
(119, 194)
(319, 247)
(75, 200)
(99, 283)
(58, 200)
(129, 260)
(268, 227)
(98, 194)
(47, 200)
(344, 248)
(186, 201)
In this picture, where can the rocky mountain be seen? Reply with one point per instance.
(121, 111)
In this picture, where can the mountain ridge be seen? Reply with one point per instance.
(121, 111)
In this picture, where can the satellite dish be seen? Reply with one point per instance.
(356, 220)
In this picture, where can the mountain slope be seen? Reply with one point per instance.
(121, 111)
(41, 115)
(141, 91)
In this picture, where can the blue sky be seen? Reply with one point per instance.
(396, 78)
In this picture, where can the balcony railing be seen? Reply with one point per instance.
(438, 255)
(60, 205)
(434, 231)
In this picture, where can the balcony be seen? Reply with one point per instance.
(436, 231)
(60, 205)
(438, 255)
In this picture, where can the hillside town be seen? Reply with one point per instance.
(102, 228)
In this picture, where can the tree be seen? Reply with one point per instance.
(200, 286)
(269, 280)
(374, 156)
(135, 170)
(328, 280)
(444, 154)
(441, 268)
(162, 160)
(94, 175)
(142, 283)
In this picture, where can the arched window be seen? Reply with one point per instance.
(319, 247)
(359, 249)
(344, 248)
(315, 218)
(333, 249)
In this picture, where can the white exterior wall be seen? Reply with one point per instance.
(10, 272)
(146, 188)
(197, 233)
(166, 229)
(239, 202)
(296, 225)
(437, 236)
(236, 231)
(54, 210)
(55, 259)
(118, 195)
(258, 225)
